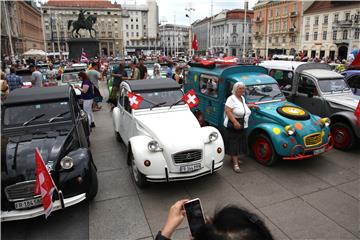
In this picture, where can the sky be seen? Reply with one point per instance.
(173, 11)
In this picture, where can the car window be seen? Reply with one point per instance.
(354, 84)
(262, 92)
(284, 78)
(70, 77)
(166, 97)
(333, 85)
(124, 100)
(307, 86)
(18, 115)
(208, 85)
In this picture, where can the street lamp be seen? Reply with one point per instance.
(189, 16)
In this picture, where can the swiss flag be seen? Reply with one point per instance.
(134, 100)
(194, 44)
(357, 112)
(44, 183)
(190, 98)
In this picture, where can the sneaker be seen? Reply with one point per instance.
(92, 125)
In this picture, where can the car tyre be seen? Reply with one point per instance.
(118, 137)
(263, 150)
(138, 177)
(93, 185)
(342, 135)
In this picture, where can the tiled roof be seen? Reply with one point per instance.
(325, 6)
(239, 14)
(82, 4)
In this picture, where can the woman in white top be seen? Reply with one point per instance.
(237, 114)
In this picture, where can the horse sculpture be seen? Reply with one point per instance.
(86, 24)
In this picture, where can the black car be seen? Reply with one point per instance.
(51, 120)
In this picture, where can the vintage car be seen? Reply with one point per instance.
(352, 77)
(163, 138)
(279, 129)
(321, 91)
(48, 119)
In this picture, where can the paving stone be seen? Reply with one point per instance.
(113, 184)
(121, 218)
(109, 160)
(259, 189)
(348, 160)
(338, 206)
(248, 165)
(299, 220)
(182, 234)
(351, 188)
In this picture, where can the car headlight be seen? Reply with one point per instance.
(290, 130)
(325, 122)
(67, 162)
(153, 146)
(213, 136)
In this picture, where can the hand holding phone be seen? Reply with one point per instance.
(195, 215)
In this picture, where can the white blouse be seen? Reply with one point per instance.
(239, 109)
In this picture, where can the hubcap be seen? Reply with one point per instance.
(262, 150)
(341, 136)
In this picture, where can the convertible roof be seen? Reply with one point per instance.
(152, 84)
(36, 94)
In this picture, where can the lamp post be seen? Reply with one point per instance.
(190, 38)
(163, 21)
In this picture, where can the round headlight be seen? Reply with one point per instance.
(290, 130)
(213, 136)
(67, 162)
(325, 122)
(153, 146)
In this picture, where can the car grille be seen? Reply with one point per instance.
(20, 191)
(187, 156)
(312, 140)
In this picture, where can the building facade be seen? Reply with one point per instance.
(174, 39)
(331, 29)
(140, 27)
(202, 30)
(108, 26)
(22, 19)
(276, 27)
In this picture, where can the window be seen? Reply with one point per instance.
(336, 17)
(278, 12)
(284, 39)
(334, 34)
(357, 33)
(307, 36)
(324, 35)
(316, 20)
(132, 26)
(277, 26)
(345, 34)
(271, 13)
(137, 20)
(315, 36)
(295, 7)
(326, 19)
(270, 39)
(284, 78)
(132, 34)
(293, 39)
(127, 26)
(234, 28)
(137, 34)
(276, 39)
(209, 85)
(131, 20)
(284, 11)
(127, 34)
(307, 21)
(270, 27)
(307, 86)
(347, 16)
(137, 26)
(109, 34)
(144, 27)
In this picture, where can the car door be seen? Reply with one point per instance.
(80, 121)
(127, 123)
(307, 95)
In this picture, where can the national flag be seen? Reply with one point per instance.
(83, 57)
(357, 112)
(44, 183)
(194, 44)
(134, 100)
(190, 98)
(356, 61)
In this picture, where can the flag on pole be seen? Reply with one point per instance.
(83, 57)
(44, 183)
(191, 99)
(194, 44)
(134, 100)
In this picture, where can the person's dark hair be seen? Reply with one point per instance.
(12, 70)
(83, 75)
(170, 64)
(93, 64)
(233, 223)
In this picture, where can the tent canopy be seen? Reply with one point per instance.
(34, 52)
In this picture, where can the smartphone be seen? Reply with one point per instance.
(195, 215)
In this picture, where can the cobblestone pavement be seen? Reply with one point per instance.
(309, 199)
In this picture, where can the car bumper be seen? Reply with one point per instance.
(309, 152)
(35, 212)
(171, 177)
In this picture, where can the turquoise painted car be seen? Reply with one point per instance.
(277, 130)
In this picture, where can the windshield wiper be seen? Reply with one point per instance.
(265, 95)
(33, 118)
(58, 116)
(280, 93)
(157, 105)
(175, 103)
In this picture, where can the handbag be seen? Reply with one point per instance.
(230, 125)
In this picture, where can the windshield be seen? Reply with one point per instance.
(36, 113)
(257, 93)
(68, 78)
(168, 97)
(333, 85)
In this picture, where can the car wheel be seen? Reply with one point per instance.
(138, 177)
(118, 137)
(342, 135)
(93, 185)
(263, 150)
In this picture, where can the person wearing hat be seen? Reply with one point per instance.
(36, 76)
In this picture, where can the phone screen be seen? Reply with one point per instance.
(194, 215)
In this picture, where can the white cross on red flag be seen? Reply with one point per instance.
(134, 100)
(190, 98)
(44, 183)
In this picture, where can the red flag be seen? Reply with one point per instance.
(194, 44)
(190, 98)
(357, 112)
(356, 61)
(134, 100)
(44, 183)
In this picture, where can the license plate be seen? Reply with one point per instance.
(190, 168)
(28, 203)
(318, 151)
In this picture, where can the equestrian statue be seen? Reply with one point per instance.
(82, 23)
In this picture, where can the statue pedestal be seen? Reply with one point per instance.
(89, 45)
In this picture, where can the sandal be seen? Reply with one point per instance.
(236, 168)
